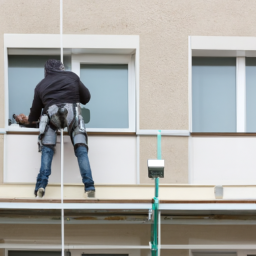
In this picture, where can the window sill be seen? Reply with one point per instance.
(223, 134)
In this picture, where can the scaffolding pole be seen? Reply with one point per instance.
(155, 206)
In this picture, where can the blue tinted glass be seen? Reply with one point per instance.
(213, 94)
(250, 94)
(108, 85)
(24, 73)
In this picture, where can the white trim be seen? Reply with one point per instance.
(208, 207)
(76, 60)
(94, 206)
(210, 246)
(240, 95)
(21, 129)
(4, 159)
(135, 206)
(163, 246)
(2, 131)
(70, 246)
(137, 87)
(138, 159)
(190, 161)
(37, 51)
(72, 41)
(236, 43)
(189, 85)
(132, 92)
(6, 88)
(164, 132)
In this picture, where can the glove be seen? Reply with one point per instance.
(21, 119)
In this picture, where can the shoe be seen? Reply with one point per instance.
(90, 193)
(41, 192)
(35, 193)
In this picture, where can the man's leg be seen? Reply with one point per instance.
(45, 170)
(85, 169)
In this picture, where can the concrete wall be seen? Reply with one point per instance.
(175, 154)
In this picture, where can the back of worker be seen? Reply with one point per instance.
(57, 87)
(59, 95)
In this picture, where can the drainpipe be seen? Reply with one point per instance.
(155, 205)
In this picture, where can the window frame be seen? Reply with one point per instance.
(106, 46)
(77, 60)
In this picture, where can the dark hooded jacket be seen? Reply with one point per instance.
(58, 86)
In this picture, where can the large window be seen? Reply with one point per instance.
(214, 94)
(110, 79)
(223, 94)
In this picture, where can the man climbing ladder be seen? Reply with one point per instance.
(59, 95)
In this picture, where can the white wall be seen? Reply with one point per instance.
(223, 160)
(112, 159)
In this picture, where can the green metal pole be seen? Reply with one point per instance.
(155, 205)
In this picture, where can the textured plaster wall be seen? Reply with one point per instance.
(1, 252)
(175, 154)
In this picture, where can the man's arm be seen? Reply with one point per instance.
(35, 110)
(84, 93)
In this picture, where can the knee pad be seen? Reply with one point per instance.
(49, 138)
(79, 137)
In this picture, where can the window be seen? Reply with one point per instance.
(223, 94)
(214, 94)
(110, 79)
(24, 73)
(106, 64)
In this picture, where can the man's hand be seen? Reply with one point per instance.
(21, 119)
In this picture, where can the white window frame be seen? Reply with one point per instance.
(220, 46)
(222, 252)
(77, 60)
(79, 44)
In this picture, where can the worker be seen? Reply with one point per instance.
(59, 94)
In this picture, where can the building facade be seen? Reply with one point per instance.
(186, 68)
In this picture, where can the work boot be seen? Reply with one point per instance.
(41, 192)
(90, 194)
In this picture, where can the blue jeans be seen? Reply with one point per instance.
(83, 162)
